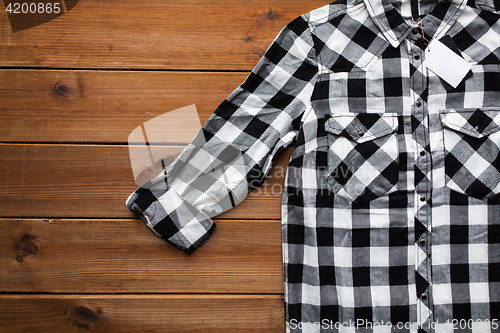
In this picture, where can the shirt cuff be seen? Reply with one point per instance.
(172, 218)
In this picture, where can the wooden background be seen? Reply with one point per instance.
(73, 258)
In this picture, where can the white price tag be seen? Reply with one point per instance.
(445, 63)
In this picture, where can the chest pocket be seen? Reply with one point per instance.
(362, 155)
(471, 143)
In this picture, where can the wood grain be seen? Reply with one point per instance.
(73, 258)
(124, 256)
(156, 34)
(101, 106)
(134, 313)
(89, 181)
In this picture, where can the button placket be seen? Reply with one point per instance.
(418, 87)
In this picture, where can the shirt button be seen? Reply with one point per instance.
(478, 128)
(414, 31)
(422, 199)
(423, 297)
(418, 103)
(422, 242)
(422, 153)
(361, 133)
(416, 56)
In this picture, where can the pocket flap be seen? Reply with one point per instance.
(361, 127)
(474, 122)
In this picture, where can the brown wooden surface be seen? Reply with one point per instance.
(146, 313)
(154, 34)
(101, 106)
(49, 180)
(73, 258)
(124, 256)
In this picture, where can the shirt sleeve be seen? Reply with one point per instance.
(233, 151)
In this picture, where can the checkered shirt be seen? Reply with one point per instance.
(390, 210)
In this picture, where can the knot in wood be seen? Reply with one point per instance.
(27, 238)
(26, 247)
(61, 89)
(30, 249)
(82, 316)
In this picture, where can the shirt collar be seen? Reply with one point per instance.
(395, 27)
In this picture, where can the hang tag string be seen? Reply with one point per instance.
(421, 26)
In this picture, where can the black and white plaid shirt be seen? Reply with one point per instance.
(391, 212)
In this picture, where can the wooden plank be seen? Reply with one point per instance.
(156, 34)
(124, 256)
(100, 106)
(89, 181)
(141, 313)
